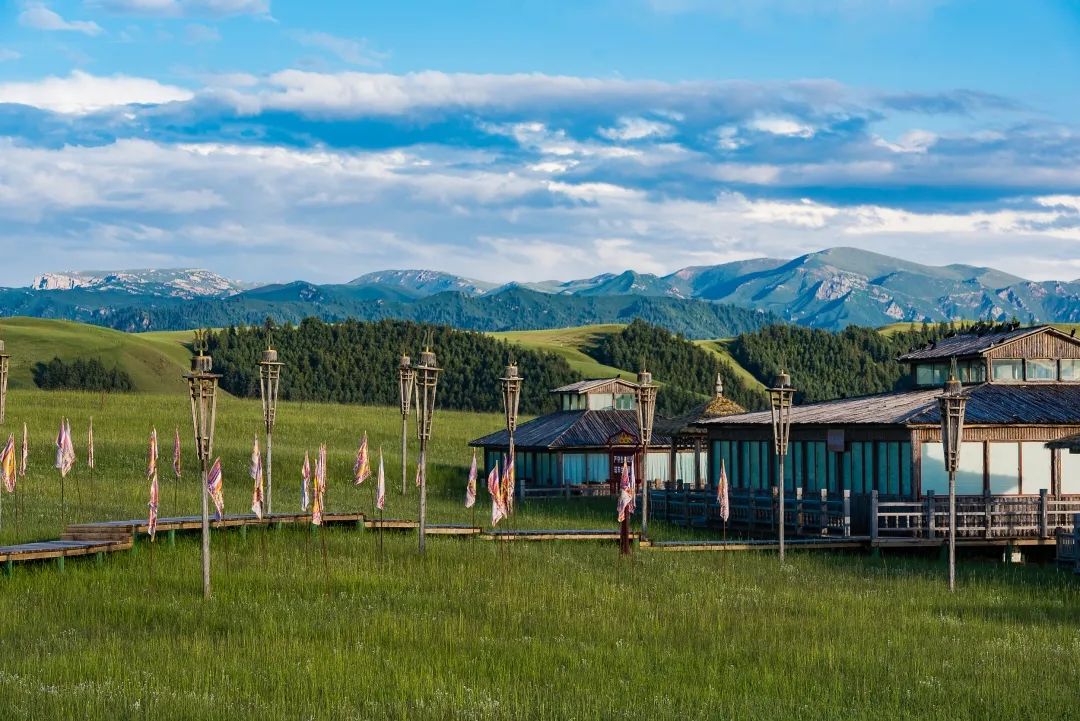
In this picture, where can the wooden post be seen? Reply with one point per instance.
(1044, 514)
(931, 514)
(823, 519)
(697, 463)
(988, 517)
(562, 476)
(798, 511)
(873, 515)
(847, 512)
(673, 462)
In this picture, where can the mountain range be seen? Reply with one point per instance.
(828, 289)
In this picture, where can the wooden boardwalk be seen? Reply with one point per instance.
(825, 542)
(589, 534)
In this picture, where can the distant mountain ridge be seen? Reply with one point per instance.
(829, 289)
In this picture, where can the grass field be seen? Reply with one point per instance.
(571, 344)
(479, 631)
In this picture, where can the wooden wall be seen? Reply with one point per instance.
(1047, 344)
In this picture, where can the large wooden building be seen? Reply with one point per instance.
(1023, 391)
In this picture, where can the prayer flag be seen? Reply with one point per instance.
(470, 487)
(722, 493)
(25, 451)
(256, 471)
(90, 444)
(320, 487)
(626, 493)
(176, 453)
(362, 467)
(214, 488)
(508, 486)
(7, 465)
(65, 452)
(152, 476)
(380, 489)
(498, 512)
(305, 482)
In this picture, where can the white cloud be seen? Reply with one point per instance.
(781, 126)
(40, 17)
(84, 93)
(185, 8)
(913, 141)
(630, 128)
(7, 54)
(353, 52)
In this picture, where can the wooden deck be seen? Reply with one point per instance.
(588, 534)
(852, 542)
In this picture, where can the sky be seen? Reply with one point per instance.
(274, 140)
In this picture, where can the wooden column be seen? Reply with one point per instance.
(673, 462)
(697, 463)
(561, 476)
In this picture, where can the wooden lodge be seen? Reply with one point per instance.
(581, 448)
(880, 457)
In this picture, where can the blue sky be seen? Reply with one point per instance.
(273, 140)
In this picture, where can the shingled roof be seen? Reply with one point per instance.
(571, 429)
(713, 408)
(988, 404)
(969, 344)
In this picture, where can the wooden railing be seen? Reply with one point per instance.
(1068, 545)
(756, 511)
(987, 516)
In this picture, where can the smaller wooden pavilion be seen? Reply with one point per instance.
(686, 433)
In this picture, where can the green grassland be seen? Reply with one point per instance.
(475, 630)
(571, 344)
(154, 361)
(719, 347)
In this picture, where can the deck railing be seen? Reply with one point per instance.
(1068, 545)
(755, 511)
(986, 516)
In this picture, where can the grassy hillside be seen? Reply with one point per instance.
(571, 343)
(719, 347)
(154, 361)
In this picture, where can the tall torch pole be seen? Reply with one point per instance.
(202, 383)
(427, 379)
(511, 392)
(406, 385)
(952, 405)
(781, 396)
(646, 412)
(269, 381)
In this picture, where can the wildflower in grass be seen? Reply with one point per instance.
(362, 467)
(470, 488)
(257, 476)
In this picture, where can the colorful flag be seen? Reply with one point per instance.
(380, 488)
(65, 452)
(305, 482)
(25, 451)
(7, 465)
(419, 470)
(362, 467)
(470, 487)
(214, 488)
(320, 487)
(152, 476)
(176, 453)
(90, 444)
(626, 493)
(722, 494)
(509, 476)
(498, 511)
(256, 471)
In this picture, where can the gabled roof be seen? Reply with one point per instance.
(594, 384)
(988, 404)
(571, 429)
(969, 344)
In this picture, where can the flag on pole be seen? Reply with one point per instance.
(90, 444)
(25, 451)
(305, 482)
(362, 467)
(256, 471)
(7, 465)
(419, 470)
(320, 486)
(626, 493)
(380, 488)
(508, 485)
(65, 452)
(214, 488)
(152, 476)
(722, 493)
(498, 512)
(176, 453)
(470, 488)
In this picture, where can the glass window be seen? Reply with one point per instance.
(1004, 468)
(1036, 461)
(931, 374)
(601, 401)
(905, 469)
(624, 402)
(1070, 472)
(1040, 369)
(857, 469)
(1070, 369)
(1007, 369)
(972, 372)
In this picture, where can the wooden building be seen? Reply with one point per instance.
(581, 448)
(1023, 391)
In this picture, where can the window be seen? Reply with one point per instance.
(1036, 463)
(931, 374)
(601, 401)
(1040, 369)
(969, 472)
(1070, 472)
(972, 372)
(624, 402)
(1070, 369)
(1007, 369)
(1004, 468)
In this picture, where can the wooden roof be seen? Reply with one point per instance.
(1069, 443)
(975, 344)
(599, 385)
(572, 429)
(713, 408)
(988, 404)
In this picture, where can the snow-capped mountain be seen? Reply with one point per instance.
(169, 282)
